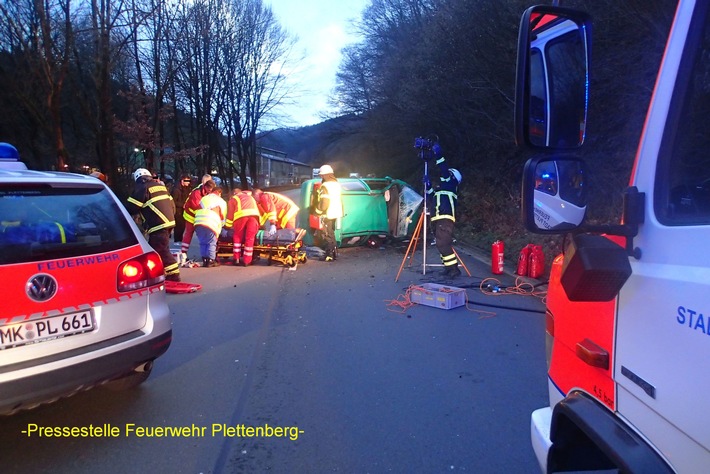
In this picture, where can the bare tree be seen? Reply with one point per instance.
(41, 32)
(257, 83)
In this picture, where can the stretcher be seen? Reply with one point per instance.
(285, 247)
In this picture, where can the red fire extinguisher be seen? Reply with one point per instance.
(536, 265)
(497, 250)
(523, 260)
(314, 221)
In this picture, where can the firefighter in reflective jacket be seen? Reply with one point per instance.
(330, 207)
(151, 199)
(443, 199)
(190, 208)
(242, 224)
(209, 219)
(276, 209)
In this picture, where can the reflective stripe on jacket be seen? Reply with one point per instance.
(446, 195)
(241, 205)
(192, 204)
(211, 213)
(276, 208)
(331, 191)
(152, 200)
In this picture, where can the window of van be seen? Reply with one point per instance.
(683, 186)
(355, 185)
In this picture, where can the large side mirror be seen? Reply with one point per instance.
(552, 82)
(554, 194)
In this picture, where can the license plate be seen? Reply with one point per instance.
(45, 329)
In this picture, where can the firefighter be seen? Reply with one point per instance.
(151, 200)
(242, 224)
(329, 206)
(180, 193)
(189, 208)
(275, 209)
(443, 199)
(209, 219)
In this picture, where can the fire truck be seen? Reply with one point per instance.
(628, 311)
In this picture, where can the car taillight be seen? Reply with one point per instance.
(140, 272)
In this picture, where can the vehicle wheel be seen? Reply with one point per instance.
(132, 379)
(290, 261)
(303, 258)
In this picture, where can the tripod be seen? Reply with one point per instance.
(416, 235)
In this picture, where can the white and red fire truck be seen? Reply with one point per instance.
(628, 317)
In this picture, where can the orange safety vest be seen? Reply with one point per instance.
(241, 205)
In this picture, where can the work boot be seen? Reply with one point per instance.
(451, 272)
(205, 262)
(213, 262)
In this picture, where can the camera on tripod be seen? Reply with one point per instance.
(423, 143)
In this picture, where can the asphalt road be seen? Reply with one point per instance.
(336, 377)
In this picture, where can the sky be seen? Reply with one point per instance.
(323, 27)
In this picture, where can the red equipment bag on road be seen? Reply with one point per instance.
(523, 260)
(536, 262)
(177, 287)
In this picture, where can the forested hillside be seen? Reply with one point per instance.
(448, 67)
(191, 84)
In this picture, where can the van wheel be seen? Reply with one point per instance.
(131, 380)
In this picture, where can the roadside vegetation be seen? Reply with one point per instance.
(194, 85)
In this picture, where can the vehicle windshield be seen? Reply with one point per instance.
(44, 222)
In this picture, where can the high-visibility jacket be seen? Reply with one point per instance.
(446, 195)
(211, 213)
(277, 209)
(151, 199)
(330, 203)
(241, 204)
(192, 204)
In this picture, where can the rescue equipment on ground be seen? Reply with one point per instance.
(439, 296)
(176, 287)
(523, 258)
(497, 254)
(536, 262)
(531, 261)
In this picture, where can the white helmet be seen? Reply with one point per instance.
(456, 173)
(141, 172)
(325, 169)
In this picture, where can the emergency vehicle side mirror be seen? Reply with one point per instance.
(552, 78)
(554, 194)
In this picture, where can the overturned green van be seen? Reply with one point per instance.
(374, 210)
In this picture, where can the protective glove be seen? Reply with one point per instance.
(427, 182)
(436, 150)
(272, 230)
(223, 233)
